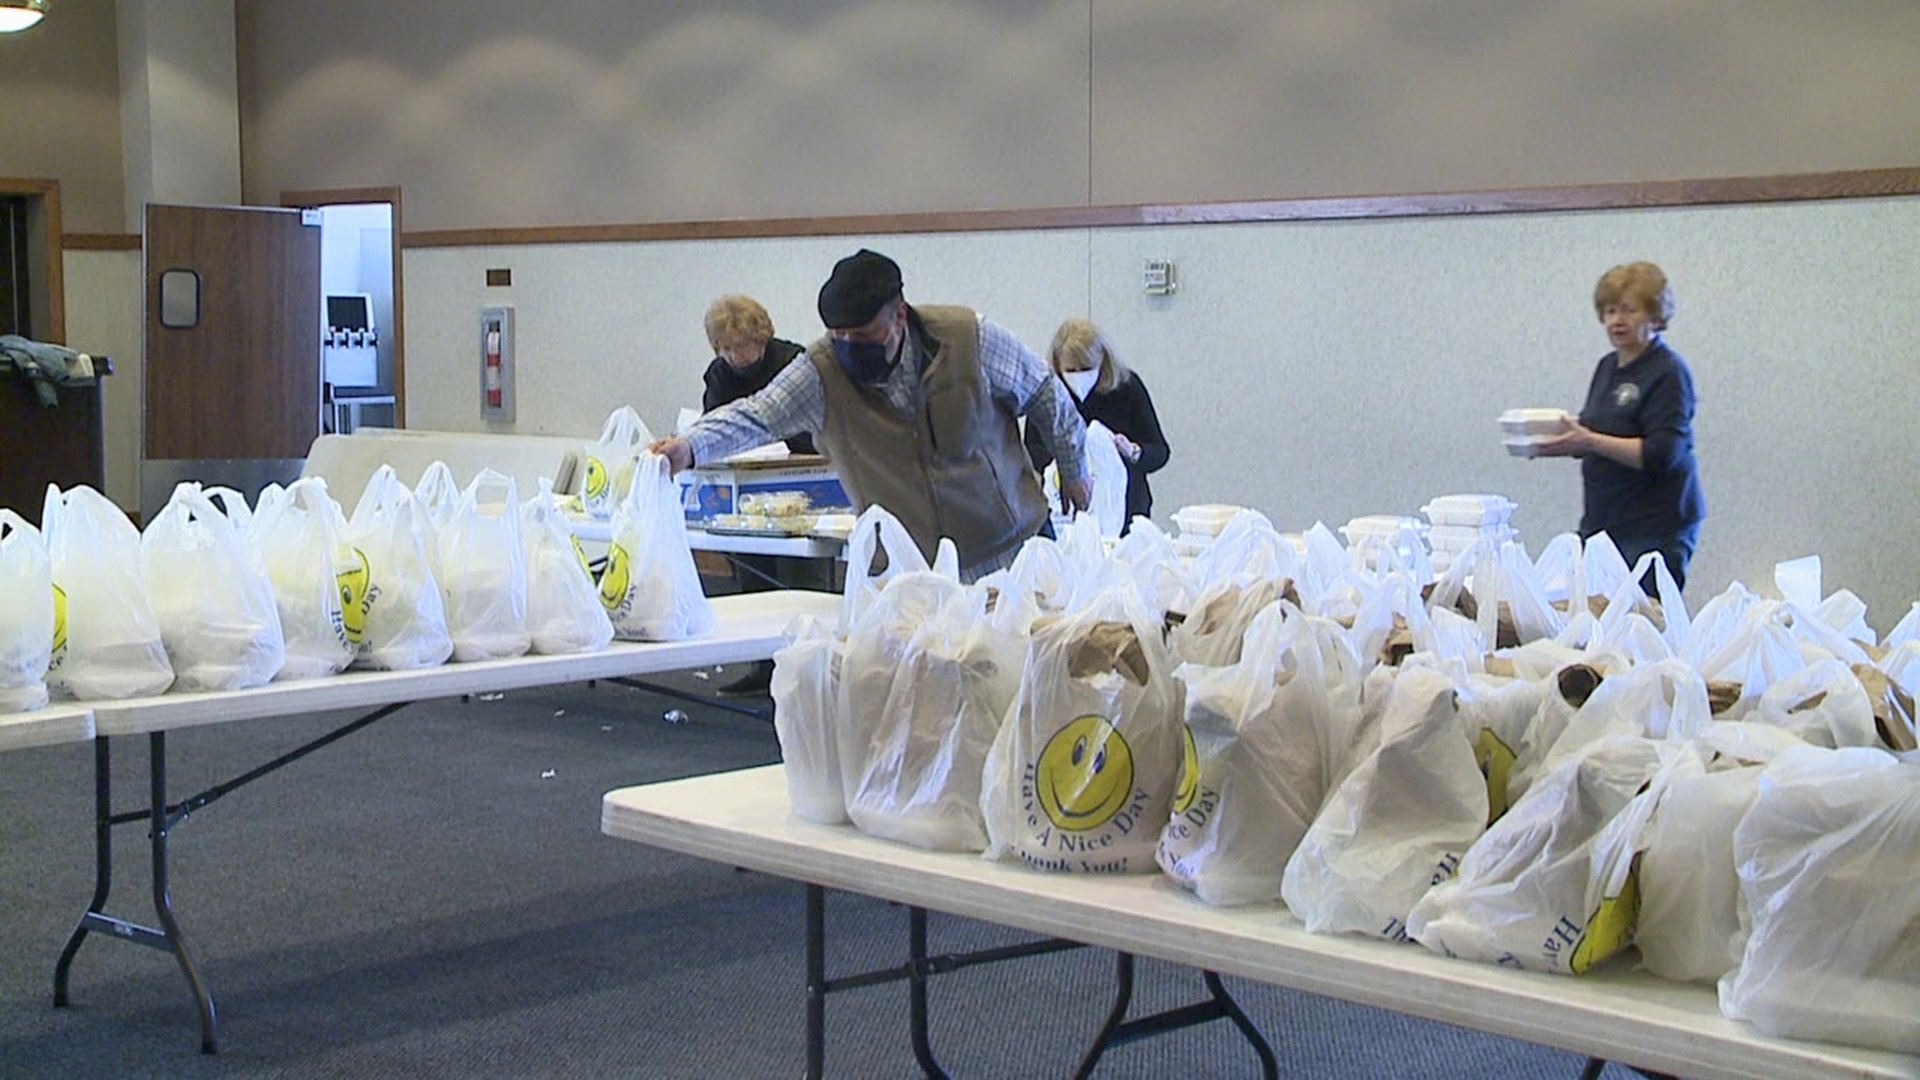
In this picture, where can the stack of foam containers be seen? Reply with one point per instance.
(1372, 530)
(1199, 524)
(1461, 520)
(1526, 429)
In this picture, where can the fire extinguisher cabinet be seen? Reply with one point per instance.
(496, 365)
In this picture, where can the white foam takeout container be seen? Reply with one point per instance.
(1205, 519)
(1475, 510)
(1453, 539)
(1534, 421)
(1385, 526)
(1526, 446)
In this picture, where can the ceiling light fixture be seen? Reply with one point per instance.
(18, 15)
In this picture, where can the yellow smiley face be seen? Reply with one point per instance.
(1084, 775)
(59, 618)
(1611, 927)
(1189, 773)
(613, 580)
(596, 486)
(580, 553)
(353, 595)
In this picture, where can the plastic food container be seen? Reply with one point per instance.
(1381, 526)
(1205, 519)
(1534, 421)
(1190, 545)
(837, 526)
(775, 503)
(1456, 539)
(1471, 510)
(1526, 446)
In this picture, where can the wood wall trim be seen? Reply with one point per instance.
(46, 195)
(100, 241)
(1866, 183)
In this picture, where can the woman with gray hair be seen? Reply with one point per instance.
(1634, 437)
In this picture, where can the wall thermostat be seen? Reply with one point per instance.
(1159, 278)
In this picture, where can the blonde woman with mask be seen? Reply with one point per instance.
(1103, 389)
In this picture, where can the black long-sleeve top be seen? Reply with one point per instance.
(1652, 400)
(1127, 409)
(725, 385)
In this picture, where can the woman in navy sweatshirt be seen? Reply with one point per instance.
(1635, 434)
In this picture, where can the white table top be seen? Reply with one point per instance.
(744, 818)
(750, 627)
(50, 726)
(591, 531)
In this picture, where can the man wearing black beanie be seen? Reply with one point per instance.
(918, 408)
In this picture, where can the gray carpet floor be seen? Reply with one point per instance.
(432, 897)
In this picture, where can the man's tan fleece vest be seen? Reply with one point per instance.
(955, 466)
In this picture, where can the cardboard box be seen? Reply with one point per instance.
(709, 490)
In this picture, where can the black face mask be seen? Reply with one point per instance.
(866, 364)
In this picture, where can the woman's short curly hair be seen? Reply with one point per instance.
(1641, 282)
(735, 318)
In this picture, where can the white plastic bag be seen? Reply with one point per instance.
(1664, 700)
(1567, 689)
(1247, 548)
(806, 700)
(112, 646)
(26, 615)
(564, 613)
(1553, 886)
(1259, 761)
(876, 532)
(437, 495)
(608, 463)
(1689, 924)
(211, 597)
(1826, 858)
(1398, 823)
(1109, 476)
(650, 586)
(1497, 714)
(482, 570)
(1159, 574)
(1082, 775)
(1213, 630)
(393, 610)
(302, 537)
(1825, 705)
(951, 674)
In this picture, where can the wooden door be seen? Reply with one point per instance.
(238, 376)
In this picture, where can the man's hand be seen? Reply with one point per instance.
(1076, 495)
(677, 451)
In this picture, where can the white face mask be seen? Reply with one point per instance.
(1081, 382)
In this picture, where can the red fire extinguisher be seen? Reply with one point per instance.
(491, 374)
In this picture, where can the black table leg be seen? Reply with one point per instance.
(160, 819)
(163, 902)
(917, 993)
(102, 866)
(816, 981)
(1118, 1030)
(1116, 1016)
(1269, 1067)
